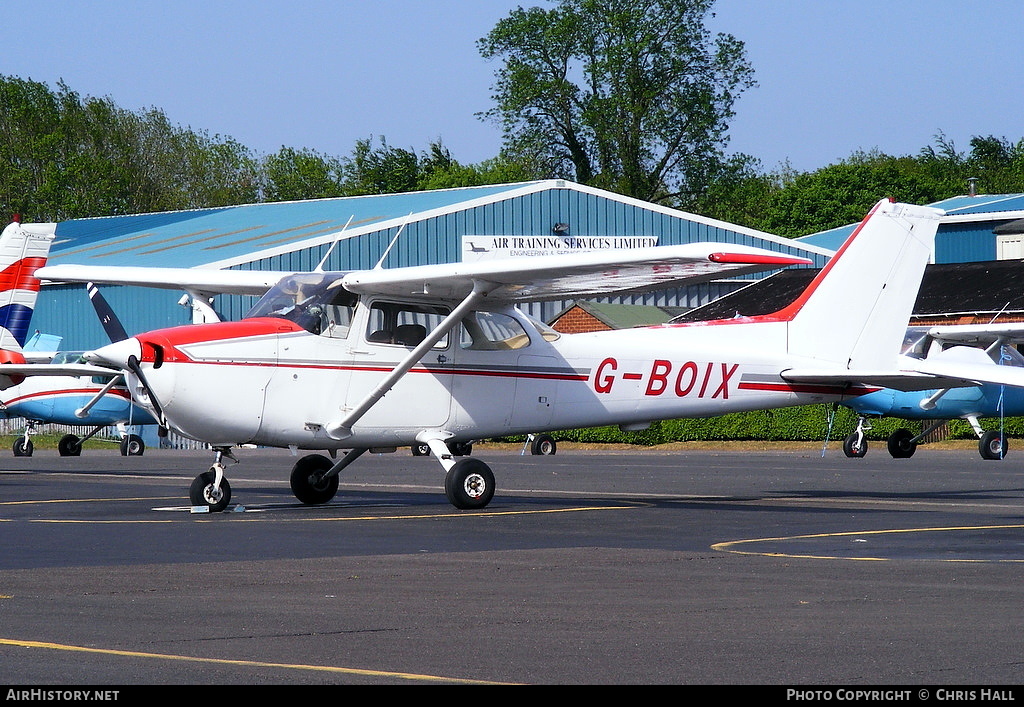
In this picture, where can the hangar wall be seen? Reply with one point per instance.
(354, 233)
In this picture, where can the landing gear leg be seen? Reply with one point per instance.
(468, 482)
(211, 489)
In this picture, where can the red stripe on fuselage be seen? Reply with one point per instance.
(68, 391)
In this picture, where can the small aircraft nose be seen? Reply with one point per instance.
(116, 354)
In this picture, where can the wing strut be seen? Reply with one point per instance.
(84, 410)
(340, 429)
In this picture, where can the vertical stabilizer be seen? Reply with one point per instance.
(856, 311)
(23, 249)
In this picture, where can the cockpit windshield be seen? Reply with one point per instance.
(315, 301)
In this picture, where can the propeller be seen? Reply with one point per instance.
(116, 332)
(111, 324)
(133, 365)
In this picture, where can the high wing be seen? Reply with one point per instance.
(204, 280)
(513, 280)
(978, 334)
(547, 277)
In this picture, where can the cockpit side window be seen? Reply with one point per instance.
(336, 317)
(492, 331)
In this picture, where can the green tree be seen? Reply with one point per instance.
(629, 95)
(380, 170)
(66, 156)
(439, 170)
(292, 174)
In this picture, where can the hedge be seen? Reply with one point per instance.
(806, 423)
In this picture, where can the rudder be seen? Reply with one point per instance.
(856, 311)
(23, 250)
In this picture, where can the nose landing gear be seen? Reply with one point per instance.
(210, 488)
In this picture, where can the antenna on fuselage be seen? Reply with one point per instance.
(380, 263)
(320, 266)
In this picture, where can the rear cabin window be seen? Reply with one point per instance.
(404, 323)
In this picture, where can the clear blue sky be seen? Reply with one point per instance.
(834, 76)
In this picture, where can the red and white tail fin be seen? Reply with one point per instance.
(23, 249)
(856, 311)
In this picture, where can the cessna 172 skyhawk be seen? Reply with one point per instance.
(439, 355)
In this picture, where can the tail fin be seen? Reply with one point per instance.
(23, 249)
(856, 311)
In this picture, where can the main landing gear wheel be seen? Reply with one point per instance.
(469, 484)
(420, 450)
(992, 445)
(901, 444)
(69, 446)
(543, 444)
(132, 446)
(203, 492)
(308, 482)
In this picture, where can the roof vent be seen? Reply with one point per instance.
(972, 186)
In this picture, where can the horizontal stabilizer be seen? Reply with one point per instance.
(959, 367)
(897, 380)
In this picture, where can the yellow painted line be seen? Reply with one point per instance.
(243, 663)
(84, 500)
(260, 517)
(729, 546)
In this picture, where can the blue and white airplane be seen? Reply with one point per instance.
(991, 344)
(63, 399)
(69, 400)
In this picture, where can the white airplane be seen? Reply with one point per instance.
(438, 355)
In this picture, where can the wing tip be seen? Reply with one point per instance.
(757, 259)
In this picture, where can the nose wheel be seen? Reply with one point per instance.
(211, 489)
(207, 490)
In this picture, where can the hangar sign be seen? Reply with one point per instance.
(476, 248)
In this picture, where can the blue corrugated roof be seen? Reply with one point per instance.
(954, 206)
(205, 236)
(982, 204)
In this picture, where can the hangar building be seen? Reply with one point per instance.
(975, 228)
(452, 225)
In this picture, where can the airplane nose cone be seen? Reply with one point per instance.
(116, 354)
